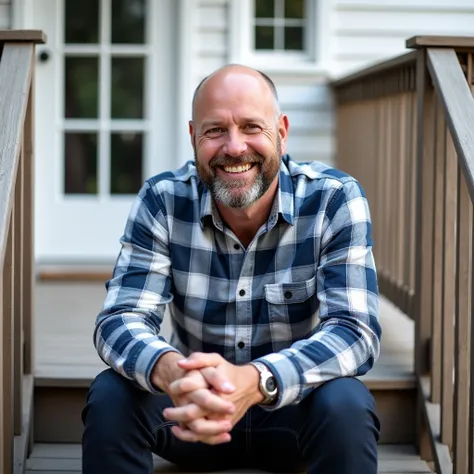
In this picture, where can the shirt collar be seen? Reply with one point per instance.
(283, 205)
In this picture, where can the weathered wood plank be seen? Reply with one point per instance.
(22, 443)
(451, 86)
(440, 42)
(31, 36)
(15, 78)
(57, 458)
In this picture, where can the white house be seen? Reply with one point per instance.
(114, 85)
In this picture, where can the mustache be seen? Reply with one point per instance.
(227, 160)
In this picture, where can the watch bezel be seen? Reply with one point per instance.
(266, 374)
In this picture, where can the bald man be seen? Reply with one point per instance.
(266, 267)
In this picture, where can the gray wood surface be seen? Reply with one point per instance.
(65, 356)
(66, 458)
(33, 36)
(453, 90)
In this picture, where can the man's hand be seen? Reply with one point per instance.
(205, 412)
(214, 369)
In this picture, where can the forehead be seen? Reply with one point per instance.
(236, 94)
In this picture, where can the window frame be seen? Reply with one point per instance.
(314, 60)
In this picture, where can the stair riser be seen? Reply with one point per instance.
(57, 415)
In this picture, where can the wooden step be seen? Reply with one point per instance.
(66, 459)
(67, 363)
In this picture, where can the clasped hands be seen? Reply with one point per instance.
(211, 397)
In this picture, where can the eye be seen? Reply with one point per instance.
(251, 127)
(215, 131)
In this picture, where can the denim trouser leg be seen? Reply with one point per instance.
(335, 429)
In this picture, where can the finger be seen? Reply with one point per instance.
(199, 360)
(187, 384)
(192, 437)
(217, 380)
(211, 402)
(207, 428)
(185, 413)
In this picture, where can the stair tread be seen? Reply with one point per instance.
(65, 355)
(66, 458)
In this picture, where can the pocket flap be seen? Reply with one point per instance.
(288, 293)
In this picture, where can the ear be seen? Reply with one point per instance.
(192, 132)
(283, 130)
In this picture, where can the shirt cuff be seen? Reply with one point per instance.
(289, 380)
(145, 363)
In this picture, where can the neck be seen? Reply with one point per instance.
(246, 222)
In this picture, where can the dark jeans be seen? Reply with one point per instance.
(333, 430)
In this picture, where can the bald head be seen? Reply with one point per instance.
(236, 69)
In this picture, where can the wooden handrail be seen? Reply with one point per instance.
(456, 97)
(16, 244)
(417, 166)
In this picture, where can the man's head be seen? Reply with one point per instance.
(238, 134)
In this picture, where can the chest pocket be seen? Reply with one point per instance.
(291, 302)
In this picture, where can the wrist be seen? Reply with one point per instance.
(253, 376)
(166, 370)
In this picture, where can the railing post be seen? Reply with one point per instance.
(423, 233)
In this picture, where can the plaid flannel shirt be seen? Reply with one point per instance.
(302, 298)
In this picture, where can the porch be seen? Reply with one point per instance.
(406, 131)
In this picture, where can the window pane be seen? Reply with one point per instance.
(264, 8)
(264, 37)
(294, 38)
(294, 9)
(127, 88)
(81, 87)
(81, 21)
(128, 21)
(80, 153)
(126, 150)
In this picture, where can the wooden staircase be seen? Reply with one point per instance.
(67, 363)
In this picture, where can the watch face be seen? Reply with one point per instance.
(270, 384)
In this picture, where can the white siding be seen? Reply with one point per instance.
(5, 20)
(306, 100)
(366, 31)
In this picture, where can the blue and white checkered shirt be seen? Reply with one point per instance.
(302, 298)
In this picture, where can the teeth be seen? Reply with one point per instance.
(237, 169)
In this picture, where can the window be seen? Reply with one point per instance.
(280, 35)
(279, 25)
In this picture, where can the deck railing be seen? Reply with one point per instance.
(16, 244)
(406, 131)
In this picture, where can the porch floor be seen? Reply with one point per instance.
(65, 355)
(66, 459)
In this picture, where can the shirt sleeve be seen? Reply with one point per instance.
(127, 332)
(347, 341)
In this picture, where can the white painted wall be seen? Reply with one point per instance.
(304, 97)
(360, 32)
(366, 31)
(5, 14)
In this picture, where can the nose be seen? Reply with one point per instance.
(235, 144)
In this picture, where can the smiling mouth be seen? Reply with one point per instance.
(238, 168)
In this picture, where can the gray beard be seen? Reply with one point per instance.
(222, 192)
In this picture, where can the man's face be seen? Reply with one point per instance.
(237, 138)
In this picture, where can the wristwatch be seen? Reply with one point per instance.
(268, 384)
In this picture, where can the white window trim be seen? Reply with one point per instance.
(314, 61)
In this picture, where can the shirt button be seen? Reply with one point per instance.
(241, 345)
(242, 292)
(288, 294)
(236, 246)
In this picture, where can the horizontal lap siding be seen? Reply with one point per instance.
(5, 14)
(307, 103)
(366, 31)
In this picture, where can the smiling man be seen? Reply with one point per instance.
(266, 267)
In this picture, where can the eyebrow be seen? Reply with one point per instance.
(217, 122)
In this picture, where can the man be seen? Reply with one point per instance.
(245, 247)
